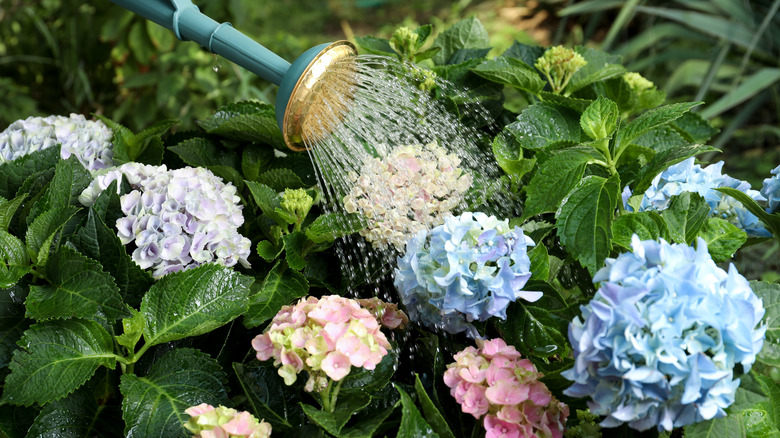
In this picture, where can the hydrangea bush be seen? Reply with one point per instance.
(89, 141)
(177, 219)
(206, 421)
(413, 188)
(493, 382)
(659, 343)
(468, 269)
(141, 282)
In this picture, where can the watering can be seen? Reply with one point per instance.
(299, 82)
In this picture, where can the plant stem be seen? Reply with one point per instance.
(335, 396)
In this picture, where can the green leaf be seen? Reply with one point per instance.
(432, 415)
(13, 174)
(154, 404)
(524, 52)
(232, 110)
(600, 119)
(584, 220)
(542, 124)
(70, 179)
(694, 127)
(650, 120)
(294, 244)
(193, 302)
(465, 34)
(573, 103)
(41, 233)
(534, 331)
(647, 225)
(334, 421)
(280, 179)
(723, 238)
(663, 160)
(600, 66)
(14, 261)
(512, 72)
(371, 381)
(98, 242)
(771, 221)
(267, 395)
(16, 420)
(511, 160)
(268, 251)
(77, 415)
(255, 160)
(771, 389)
(55, 358)
(267, 199)
(661, 139)
(540, 262)
(554, 180)
(758, 424)
(132, 330)
(770, 295)
(246, 121)
(12, 322)
(202, 152)
(78, 287)
(732, 426)
(412, 423)
(281, 287)
(376, 46)
(330, 226)
(8, 209)
(685, 216)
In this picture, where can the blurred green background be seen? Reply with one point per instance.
(62, 56)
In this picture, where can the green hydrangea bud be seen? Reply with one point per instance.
(404, 41)
(588, 426)
(637, 82)
(427, 80)
(559, 64)
(297, 202)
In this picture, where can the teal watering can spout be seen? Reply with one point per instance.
(298, 82)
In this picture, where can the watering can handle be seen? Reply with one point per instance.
(188, 23)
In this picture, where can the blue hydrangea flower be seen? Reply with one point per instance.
(89, 141)
(658, 344)
(470, 268)
(177, 219)
(771, 190)
(690, 177)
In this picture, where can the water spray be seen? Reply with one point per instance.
(302, 95)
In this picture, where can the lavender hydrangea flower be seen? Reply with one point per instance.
(177, 219)
(771, 190)
(470, 268)
(658, 344)
(89, 141)
(689, 177)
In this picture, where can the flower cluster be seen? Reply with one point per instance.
(413, 188)
(326, 337)
(689, 177)
(495, 382)
(470, 268)
(387, 314)
(771, 190)
(177, 219)
(88, 141)
(558, 64)
(221, 422)
(658, 344)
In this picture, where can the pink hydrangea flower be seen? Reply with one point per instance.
(326, 337)
(206, 421)
(495, 382)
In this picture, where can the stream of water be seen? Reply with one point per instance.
(396, 155)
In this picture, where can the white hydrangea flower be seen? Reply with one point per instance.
(177, 219)
(413, 188)
(89, 141)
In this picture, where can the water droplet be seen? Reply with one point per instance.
(216, 68)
